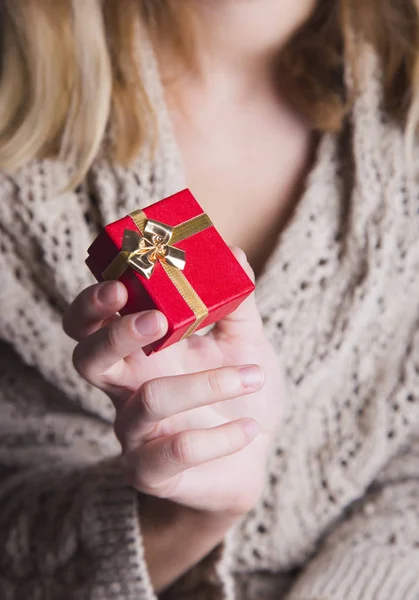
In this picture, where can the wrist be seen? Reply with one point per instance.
(166, 526)
(162, 513)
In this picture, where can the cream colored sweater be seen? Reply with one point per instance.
(339, 517)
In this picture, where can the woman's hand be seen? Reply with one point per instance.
(196, 420)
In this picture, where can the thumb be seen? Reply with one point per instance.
(245, 321)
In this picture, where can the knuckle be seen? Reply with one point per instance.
(113, 376)
(81, 362)
(143, 481)
(140, 476)
(135, 477)
(236, 438)
(215, 382)
(67, 322)
(243, 503)
(78, 308)
(149, 403)
(181, 449)
(119, 429)
(112, 337)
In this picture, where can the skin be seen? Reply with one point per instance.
(196, 421)
(240, 141)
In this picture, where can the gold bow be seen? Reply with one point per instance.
(152, 242)
(152, 246)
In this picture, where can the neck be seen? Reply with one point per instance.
(235, 41)
(243, 36)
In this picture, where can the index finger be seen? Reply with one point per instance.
(92, 307)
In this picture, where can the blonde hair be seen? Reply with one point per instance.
(69, 71)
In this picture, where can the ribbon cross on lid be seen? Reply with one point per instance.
(153, 242)
(152, 246)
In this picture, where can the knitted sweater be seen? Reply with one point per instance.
(339, 516)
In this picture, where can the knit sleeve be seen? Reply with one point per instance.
(374, 552)
(210, 579)
(69, 526)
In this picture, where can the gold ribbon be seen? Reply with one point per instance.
(154, 242)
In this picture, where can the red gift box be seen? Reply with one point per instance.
(171, 258)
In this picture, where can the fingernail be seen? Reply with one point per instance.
(108, 292)
(251, 428)
(148, 323)
(251, 376)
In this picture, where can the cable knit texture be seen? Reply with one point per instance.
(339, 517)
